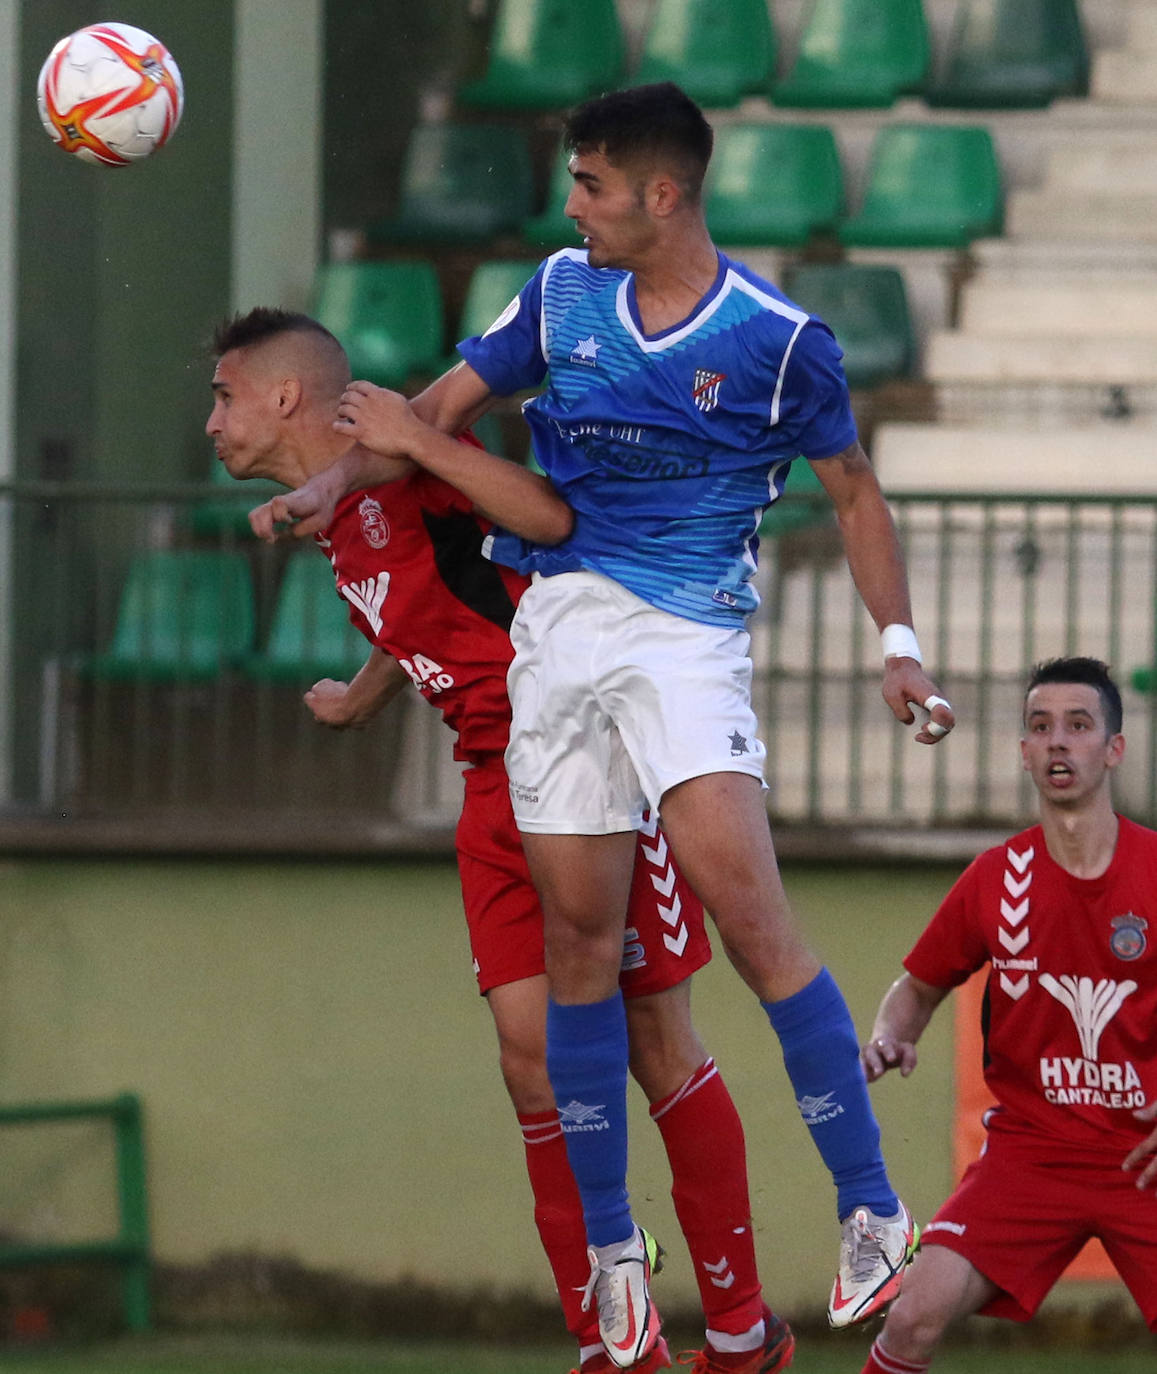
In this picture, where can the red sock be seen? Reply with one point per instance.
(558, 1214)
(880, 1362)
(704, 1139)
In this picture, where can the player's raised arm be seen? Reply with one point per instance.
(876, 562)
(905, 1011)
(522, 501)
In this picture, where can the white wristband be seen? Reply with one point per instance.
(899, 641)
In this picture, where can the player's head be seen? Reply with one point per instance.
(643, 129)
(1072, 729)
(638, 158)
(278, 373)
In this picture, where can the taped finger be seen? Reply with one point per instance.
(933, 727)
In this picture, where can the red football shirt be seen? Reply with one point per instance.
(1070, 1010)
(408, 559)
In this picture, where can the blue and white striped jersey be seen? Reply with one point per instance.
(668, 447)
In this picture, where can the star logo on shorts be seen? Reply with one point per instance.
(738, 744)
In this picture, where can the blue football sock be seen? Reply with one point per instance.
(822, 1056)
(586, 1058)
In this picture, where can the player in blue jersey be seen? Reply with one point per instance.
(681, 387)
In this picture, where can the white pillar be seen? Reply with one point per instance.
(10, 88)
(277, 133)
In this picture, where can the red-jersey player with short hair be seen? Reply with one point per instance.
(1064, 915)
(408, 561)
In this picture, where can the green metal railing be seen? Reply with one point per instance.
(129, 1249)
(998, 582)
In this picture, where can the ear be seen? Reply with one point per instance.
(664, 196)
(1024, 763)
(289, 393)
(1114, 751)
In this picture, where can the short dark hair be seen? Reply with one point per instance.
(262, 323)
(644, 124)
(1089, 671)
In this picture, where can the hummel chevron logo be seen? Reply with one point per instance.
(1015, 987)
(649, 825)
(368, 596)
(658, 853)
(664, 885)
(1015, 889)
(722, 1275)
(1013, 943)
(676, 943)
(670, 914)
(1014, 914)
(1020, 861)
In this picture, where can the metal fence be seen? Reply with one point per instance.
(141, 695)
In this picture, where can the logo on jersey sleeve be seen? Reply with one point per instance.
(1128, 940)
(1088, 1081)
(375, 527)
(368, 597)
(1013, 932)
(705, 393)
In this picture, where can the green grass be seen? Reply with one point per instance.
(222, 1355)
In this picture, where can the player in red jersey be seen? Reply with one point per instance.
(1061, 914)
(408, 561)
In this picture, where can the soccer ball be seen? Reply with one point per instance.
(110, 94)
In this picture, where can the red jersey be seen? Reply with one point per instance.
(408, 559)
(1070, 1010)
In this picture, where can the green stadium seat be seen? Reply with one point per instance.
(310, 636)
(773, 184)
(228, 513)
(717, 50)
(388, 315)
(460, 183)
(184, 616)
(858, 54)
(794, 510)
(552, 228)
(548, 54)
(493, 285)
(1012, 54)
(866, 308)
(928, 186)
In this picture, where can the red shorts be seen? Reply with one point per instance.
(665, 939)
(1025, 1208)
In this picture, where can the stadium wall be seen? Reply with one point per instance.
(320, 1081)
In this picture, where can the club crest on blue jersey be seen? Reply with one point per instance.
(1128, 940)
(375, 528)
(586, 352)
(705, 393)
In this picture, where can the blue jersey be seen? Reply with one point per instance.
(668, 447)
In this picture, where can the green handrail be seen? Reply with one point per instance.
(130, 1248)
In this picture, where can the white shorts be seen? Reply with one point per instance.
(615, 702)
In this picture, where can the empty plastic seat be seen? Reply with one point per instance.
(493, 285)
(388, 315)
(547, 54)
(229, 512)
(1012, 54)
(858, 53)
(716, 50)
(552, 228)
(461, 183)
(866, 308)
(773, 184)
(311, 636)
(184, 615)
(928, 186)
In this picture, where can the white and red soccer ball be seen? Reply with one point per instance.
(110, 94)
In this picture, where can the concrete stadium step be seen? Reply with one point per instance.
(1125, 307)
(1120, 165)
(964, 356)
(1097, 458)
(1124, 76)
(1057, 214)
(1011, 259)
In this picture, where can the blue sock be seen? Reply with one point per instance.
(586, 1058)
(822, 1056)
